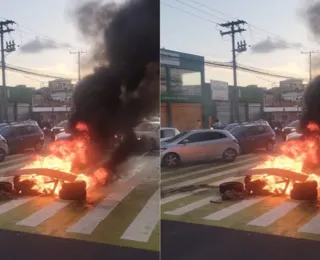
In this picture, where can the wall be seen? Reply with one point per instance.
(185, 116)
(285, 116)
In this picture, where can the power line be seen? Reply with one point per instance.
(252, 25)
(199, 17)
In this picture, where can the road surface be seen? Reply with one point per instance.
(120, 221)
(192, 227)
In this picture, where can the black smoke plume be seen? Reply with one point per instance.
(311, 106)
(271, 45)
(124, 88)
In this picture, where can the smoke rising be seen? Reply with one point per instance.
(40, 45)
(311, 15)
(270, 45)
(124, 88)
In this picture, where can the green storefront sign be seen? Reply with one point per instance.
(182, 81)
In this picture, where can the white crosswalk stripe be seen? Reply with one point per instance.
(43, 214)
(274, 214)
(142, 226)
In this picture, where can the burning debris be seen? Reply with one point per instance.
(292, 173)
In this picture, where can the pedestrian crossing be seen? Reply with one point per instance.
(277, 215)
(125, 213)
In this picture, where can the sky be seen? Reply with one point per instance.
(197, 32)
(50, 23)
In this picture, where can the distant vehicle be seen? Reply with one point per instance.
(167, 133)
(59, 128)
(148, 133)
(229, 127)
(254, 136)
(63, 136)
(199, 145)
(3, 148)
(23, 136)
(290, 128)
(153, 119)
(293, 136)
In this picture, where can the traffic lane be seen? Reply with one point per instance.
(119, 214)
(19, 245)
(192, 241)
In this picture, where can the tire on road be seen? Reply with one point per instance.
(73, 191)
(2, 155)
(232, 185)
(229, 155)
(270, 147)
(38, 147)
(171, 160)
(6, 186)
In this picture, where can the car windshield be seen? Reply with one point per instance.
(62, 124)
(230, 127)
(176, 137)
(238, 131)
(294, 124)
(147, 127)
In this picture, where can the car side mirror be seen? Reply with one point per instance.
(185, 141)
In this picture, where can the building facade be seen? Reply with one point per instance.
(184, 98)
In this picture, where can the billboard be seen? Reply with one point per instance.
(219, 90)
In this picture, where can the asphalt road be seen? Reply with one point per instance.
(183, 241)
(17, 245)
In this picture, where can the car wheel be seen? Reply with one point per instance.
(229, 155)
(38, 147)
(270, 147)
(2, 155)
(171, 160)
(153, 144)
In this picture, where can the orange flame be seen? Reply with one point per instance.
(297, 156)
(63, 156)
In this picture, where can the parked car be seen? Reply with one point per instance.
(293, 136)
(3, 148)
(149, 133)
(167, 133)
(290, 128)
(21, 136)
(254, 136)
(63, 136)
(199, 145)
(229, 127)
(59, 128)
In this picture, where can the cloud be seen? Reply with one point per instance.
(271, 45)
(40, 45)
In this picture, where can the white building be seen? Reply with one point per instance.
(60, 84)
(292, 84)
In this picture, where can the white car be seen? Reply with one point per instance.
(199, 145)
(149, 131)
(168, 132)
(293, 136)
(3, 148)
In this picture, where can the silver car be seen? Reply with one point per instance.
(199, 145)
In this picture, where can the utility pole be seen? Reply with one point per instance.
(10, 47)
(234, 28)
(79, 65)
(310, 61)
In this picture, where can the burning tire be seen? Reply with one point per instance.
(233, 185)
(256, 187)
(73, 191)
(24, 187)
(304, 191)
(6, 186)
